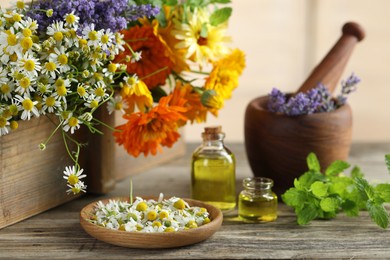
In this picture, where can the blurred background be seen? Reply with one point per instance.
(284, 40)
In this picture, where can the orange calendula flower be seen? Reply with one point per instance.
(148, 132)
(154, 66)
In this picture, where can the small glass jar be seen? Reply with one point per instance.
(257, 202)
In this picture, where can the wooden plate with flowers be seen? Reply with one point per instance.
(137, 239)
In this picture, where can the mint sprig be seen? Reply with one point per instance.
(323, 196)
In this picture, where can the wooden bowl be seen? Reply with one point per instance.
(152, 240)
(277, 145)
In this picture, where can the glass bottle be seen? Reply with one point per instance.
(213, 176)
(257, 202)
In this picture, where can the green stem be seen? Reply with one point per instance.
(131, 191)
(200, 72)
(155, 72)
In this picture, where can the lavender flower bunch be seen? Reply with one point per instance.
(316, 100)
(107, 14)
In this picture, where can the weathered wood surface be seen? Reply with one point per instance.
(57, 234)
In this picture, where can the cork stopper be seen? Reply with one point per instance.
(213, 133)
(213, 130)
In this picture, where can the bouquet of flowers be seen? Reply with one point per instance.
(162, 65)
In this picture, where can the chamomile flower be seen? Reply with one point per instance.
(93, 36)
(50, 68)
(77, 188)
(29, 65)
(100, 91)
(60, 58)
(107, 39)
(4, 125)
(6, 90)
(115, 104)
(56, 30)
(72, 20)
(136, 56)
(50, 104)
(73, 175)
(28, 106)
(72, 123)
(9, 42)
(28, 23)
(92, 102)
(25, 84)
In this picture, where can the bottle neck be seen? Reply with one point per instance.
(215, 140)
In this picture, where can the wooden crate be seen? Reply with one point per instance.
(31, 180)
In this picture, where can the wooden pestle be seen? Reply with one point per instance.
(329, 71)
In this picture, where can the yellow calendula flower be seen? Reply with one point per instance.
(136, 95)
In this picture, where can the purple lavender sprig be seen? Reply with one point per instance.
(107, 14)
(316, 100)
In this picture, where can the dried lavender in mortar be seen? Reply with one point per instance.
(316, 100)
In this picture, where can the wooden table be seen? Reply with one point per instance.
(57, 234)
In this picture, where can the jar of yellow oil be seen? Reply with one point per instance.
(257, 202)
(213, 176)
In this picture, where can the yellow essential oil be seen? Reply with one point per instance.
(213, 178)
(257, 202)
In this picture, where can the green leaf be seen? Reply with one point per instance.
(356, 173)
(312, 162)
(308, 178)
(220, 16)
(319, 189)
(387, 160)
(170, 2)
(329, 204)
(336, 167)
(365, 189)
(220, 1)
(306, 214)
(350, 208)
(294, 198)
(384, 191)
(378, 214)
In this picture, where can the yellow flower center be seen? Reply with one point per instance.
(98, 76)
(25, 82)
(99, 92)
(152, 215)
(112, 67)
(61, 91)
(63, 59)
(5, 89)
(73, 121)
(50, 66)
(83, 42)
(163, 214)
(179, 204)
(93, 35)
(60, 82)
(142, 206)
(81, 91)
(27, 32)
(3, 122)
(50, 101)
(29, 65)
(12, 40)
(27, 104)
(105, 39)
(70, 19)
(13, 57)
(131, 81)
(73, 179)
(156, 224)
(118, 105)
(17, 17)
(7, 113)
(14, 109)
(20, 4)
(14, 125)
(94, 104)
(58, 36)
(26, 43)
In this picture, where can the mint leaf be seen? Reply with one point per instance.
(313, 163)
(329, 204)
(306, 180)
(220, 1)
(378, 214)
(319, 189)
(306, 214)
(219, 16)
(294, 198)
(366, 190)
(350, 208)
(387, 160)
(383, 191)
(336, 167)
(356, 173)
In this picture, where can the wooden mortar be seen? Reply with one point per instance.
(277, 145)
